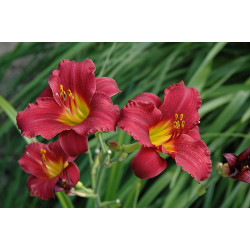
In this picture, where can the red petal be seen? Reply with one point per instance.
(71, 174)
(179, 99)
(194, 157)
(44, 189)
(148, 97)
(31, 161)
(231, 159)
(195, 133)
(78, 77)
(242, 176)
(147, 163)
(72, 143)
(103, 115)
(40, 118)
(47, 92)
(107, 86)
(56, 148)
(136, 118)
(244, 156)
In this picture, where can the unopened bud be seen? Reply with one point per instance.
(113, 145)
(106, 163)
(79, 184)
(123, 157)
(109, 152)
(97, 151)
(223, 169)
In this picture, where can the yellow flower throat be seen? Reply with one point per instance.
(75, 109)
(165, 131)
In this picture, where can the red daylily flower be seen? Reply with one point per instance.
(50, 169)
(169, 127)
(75, 104)
(238, 167)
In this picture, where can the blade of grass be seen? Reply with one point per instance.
(210, 56)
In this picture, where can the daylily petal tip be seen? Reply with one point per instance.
(147, 163)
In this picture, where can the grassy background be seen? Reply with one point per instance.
(220, 71)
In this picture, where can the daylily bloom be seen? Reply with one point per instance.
(238, 167)
(168, 127)
(75, 104)
(50, 169)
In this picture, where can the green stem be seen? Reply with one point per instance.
(108, 203)
(64, 200)
(93, 166)
(93, 172)
(99, 138)
(90, 157)
(98, 184)
(103, 155)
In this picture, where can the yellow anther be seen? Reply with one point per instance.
(181, 117)
(175, 124)
(42, 151)
(64, 95)
(176, 116)
(178, 125)
(43, 158)
(245, 167)
(70, 93)
(182, 124)
(61, 90)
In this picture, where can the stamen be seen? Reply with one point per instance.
(70, 94)
(178, 125)
(43, 152)
(175, 125)
(64, 95)
(245, 168)
(61, 90)
(182, 124)
(75, 108)
(43, 158)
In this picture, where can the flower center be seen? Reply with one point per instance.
(75, 109)
(165, 131)
(52, 168)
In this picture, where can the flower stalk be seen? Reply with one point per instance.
(102, 157)
(129, 148)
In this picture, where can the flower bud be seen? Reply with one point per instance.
(223, 169)
(113, 145)
(79, 184)
(97, 151)
(123, 157)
